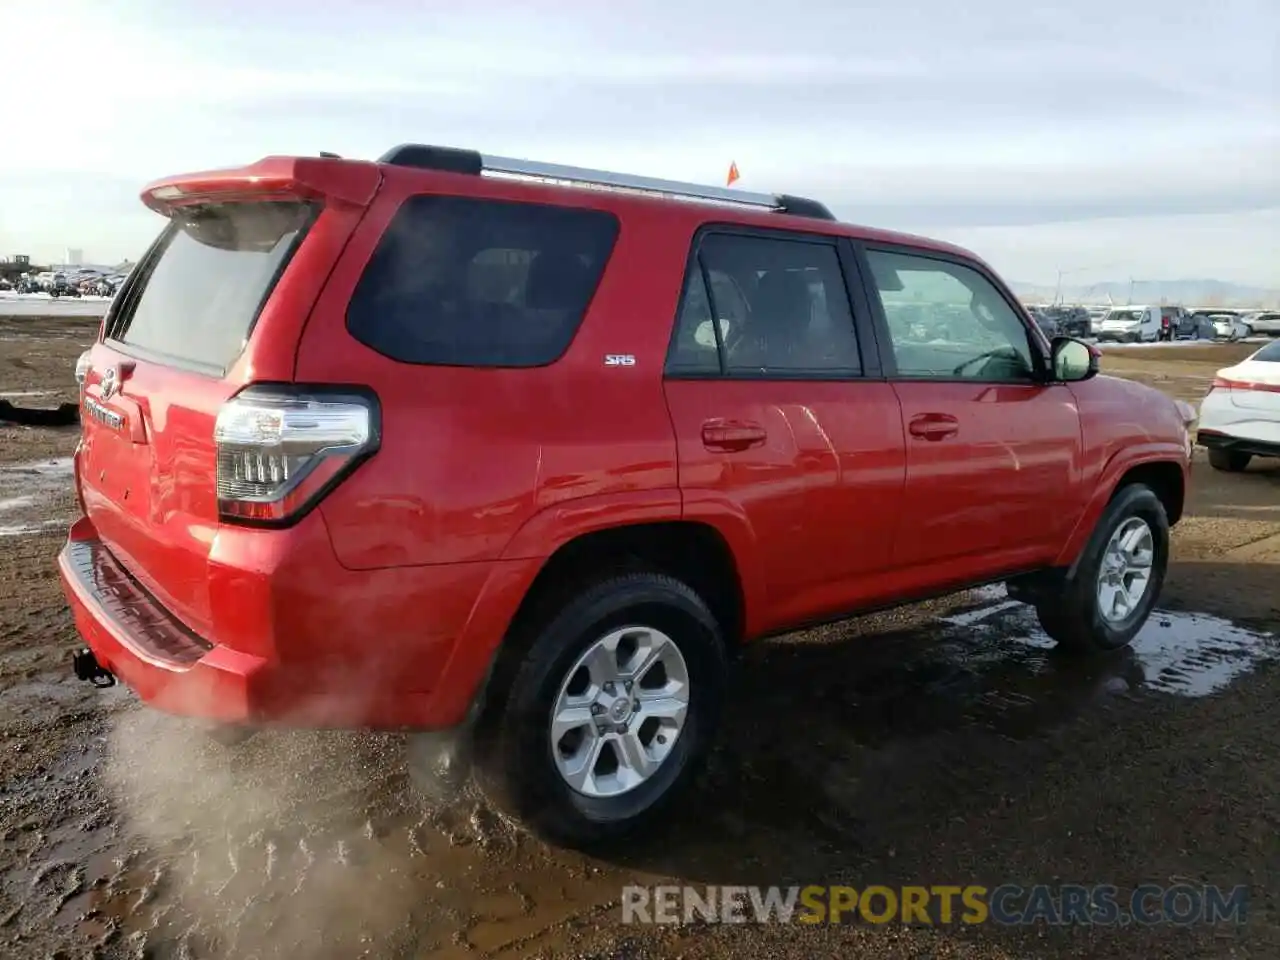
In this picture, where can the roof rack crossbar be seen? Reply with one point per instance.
(469, 161)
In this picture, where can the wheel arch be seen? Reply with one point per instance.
(694, 552)
(1160, 466)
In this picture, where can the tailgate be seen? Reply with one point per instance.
(173, 350)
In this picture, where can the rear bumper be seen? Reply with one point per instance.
(146, 647)
(1222, 441)
(401, 648)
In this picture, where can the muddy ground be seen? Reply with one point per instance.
(938, 744)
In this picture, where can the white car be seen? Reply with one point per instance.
(1240, 417)
(1267, 321)
(1228, 326)
(1131, 324)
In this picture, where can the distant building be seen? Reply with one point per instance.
(75, 256)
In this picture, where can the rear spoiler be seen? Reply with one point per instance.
(347, 181)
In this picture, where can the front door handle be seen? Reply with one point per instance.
(732, 435)
(934, 426)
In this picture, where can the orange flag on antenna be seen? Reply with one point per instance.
(733, 173)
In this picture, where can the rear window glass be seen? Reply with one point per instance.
(207, 279)
(1270, 352)
(468, 282)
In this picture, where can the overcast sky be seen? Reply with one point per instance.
(1105, 138)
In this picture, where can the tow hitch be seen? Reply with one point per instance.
(86, 667)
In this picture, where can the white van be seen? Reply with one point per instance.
(1133, 324)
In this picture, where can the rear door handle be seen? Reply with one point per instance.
(934, 426)
(732, 435)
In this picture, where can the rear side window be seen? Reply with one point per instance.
(487, 283)
(206, 279)
(781, 309)
(1270, 352)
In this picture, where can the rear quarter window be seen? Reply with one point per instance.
(462, 281)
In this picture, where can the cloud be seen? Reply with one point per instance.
(895, 114)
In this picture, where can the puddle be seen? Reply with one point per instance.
(27, 490)
(30, 529)
(1184, 654)
(986, 668)
(56, 468)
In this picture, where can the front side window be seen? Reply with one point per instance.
(947, 321)
(780, 305)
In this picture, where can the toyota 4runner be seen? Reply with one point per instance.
(456, 442)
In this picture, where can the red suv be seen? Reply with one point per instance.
(455, 442)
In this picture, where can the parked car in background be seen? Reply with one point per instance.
(62, 287)
(1134, 324)
(1193, 326)
(1240, 416)
(1228, 326)
(351, 456)
(1071, 321)
(1171, 318)
(1265, 321)
(1047, 324)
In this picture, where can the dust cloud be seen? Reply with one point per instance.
(288, 844)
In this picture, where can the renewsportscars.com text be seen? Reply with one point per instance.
(1007, 904)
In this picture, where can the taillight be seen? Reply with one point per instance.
(1227, 384)
(281, 448)
(75, 476)
(82, 368)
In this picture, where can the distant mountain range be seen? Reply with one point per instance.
(1218, 293)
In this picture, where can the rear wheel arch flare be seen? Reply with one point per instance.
(694, 553)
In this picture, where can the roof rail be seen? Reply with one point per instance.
(454, 160)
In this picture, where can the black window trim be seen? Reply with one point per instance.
(582, 321)
(865, 341)
(126, 299)
(1035, 339)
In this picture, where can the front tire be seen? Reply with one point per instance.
(611, 713)
(1105, 602)
(1229, 461)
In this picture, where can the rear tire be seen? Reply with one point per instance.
(1105, 602)
(1230, 461)
(527, 774)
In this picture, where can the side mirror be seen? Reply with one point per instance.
(1073, 360)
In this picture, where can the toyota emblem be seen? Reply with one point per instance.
(108, 383)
